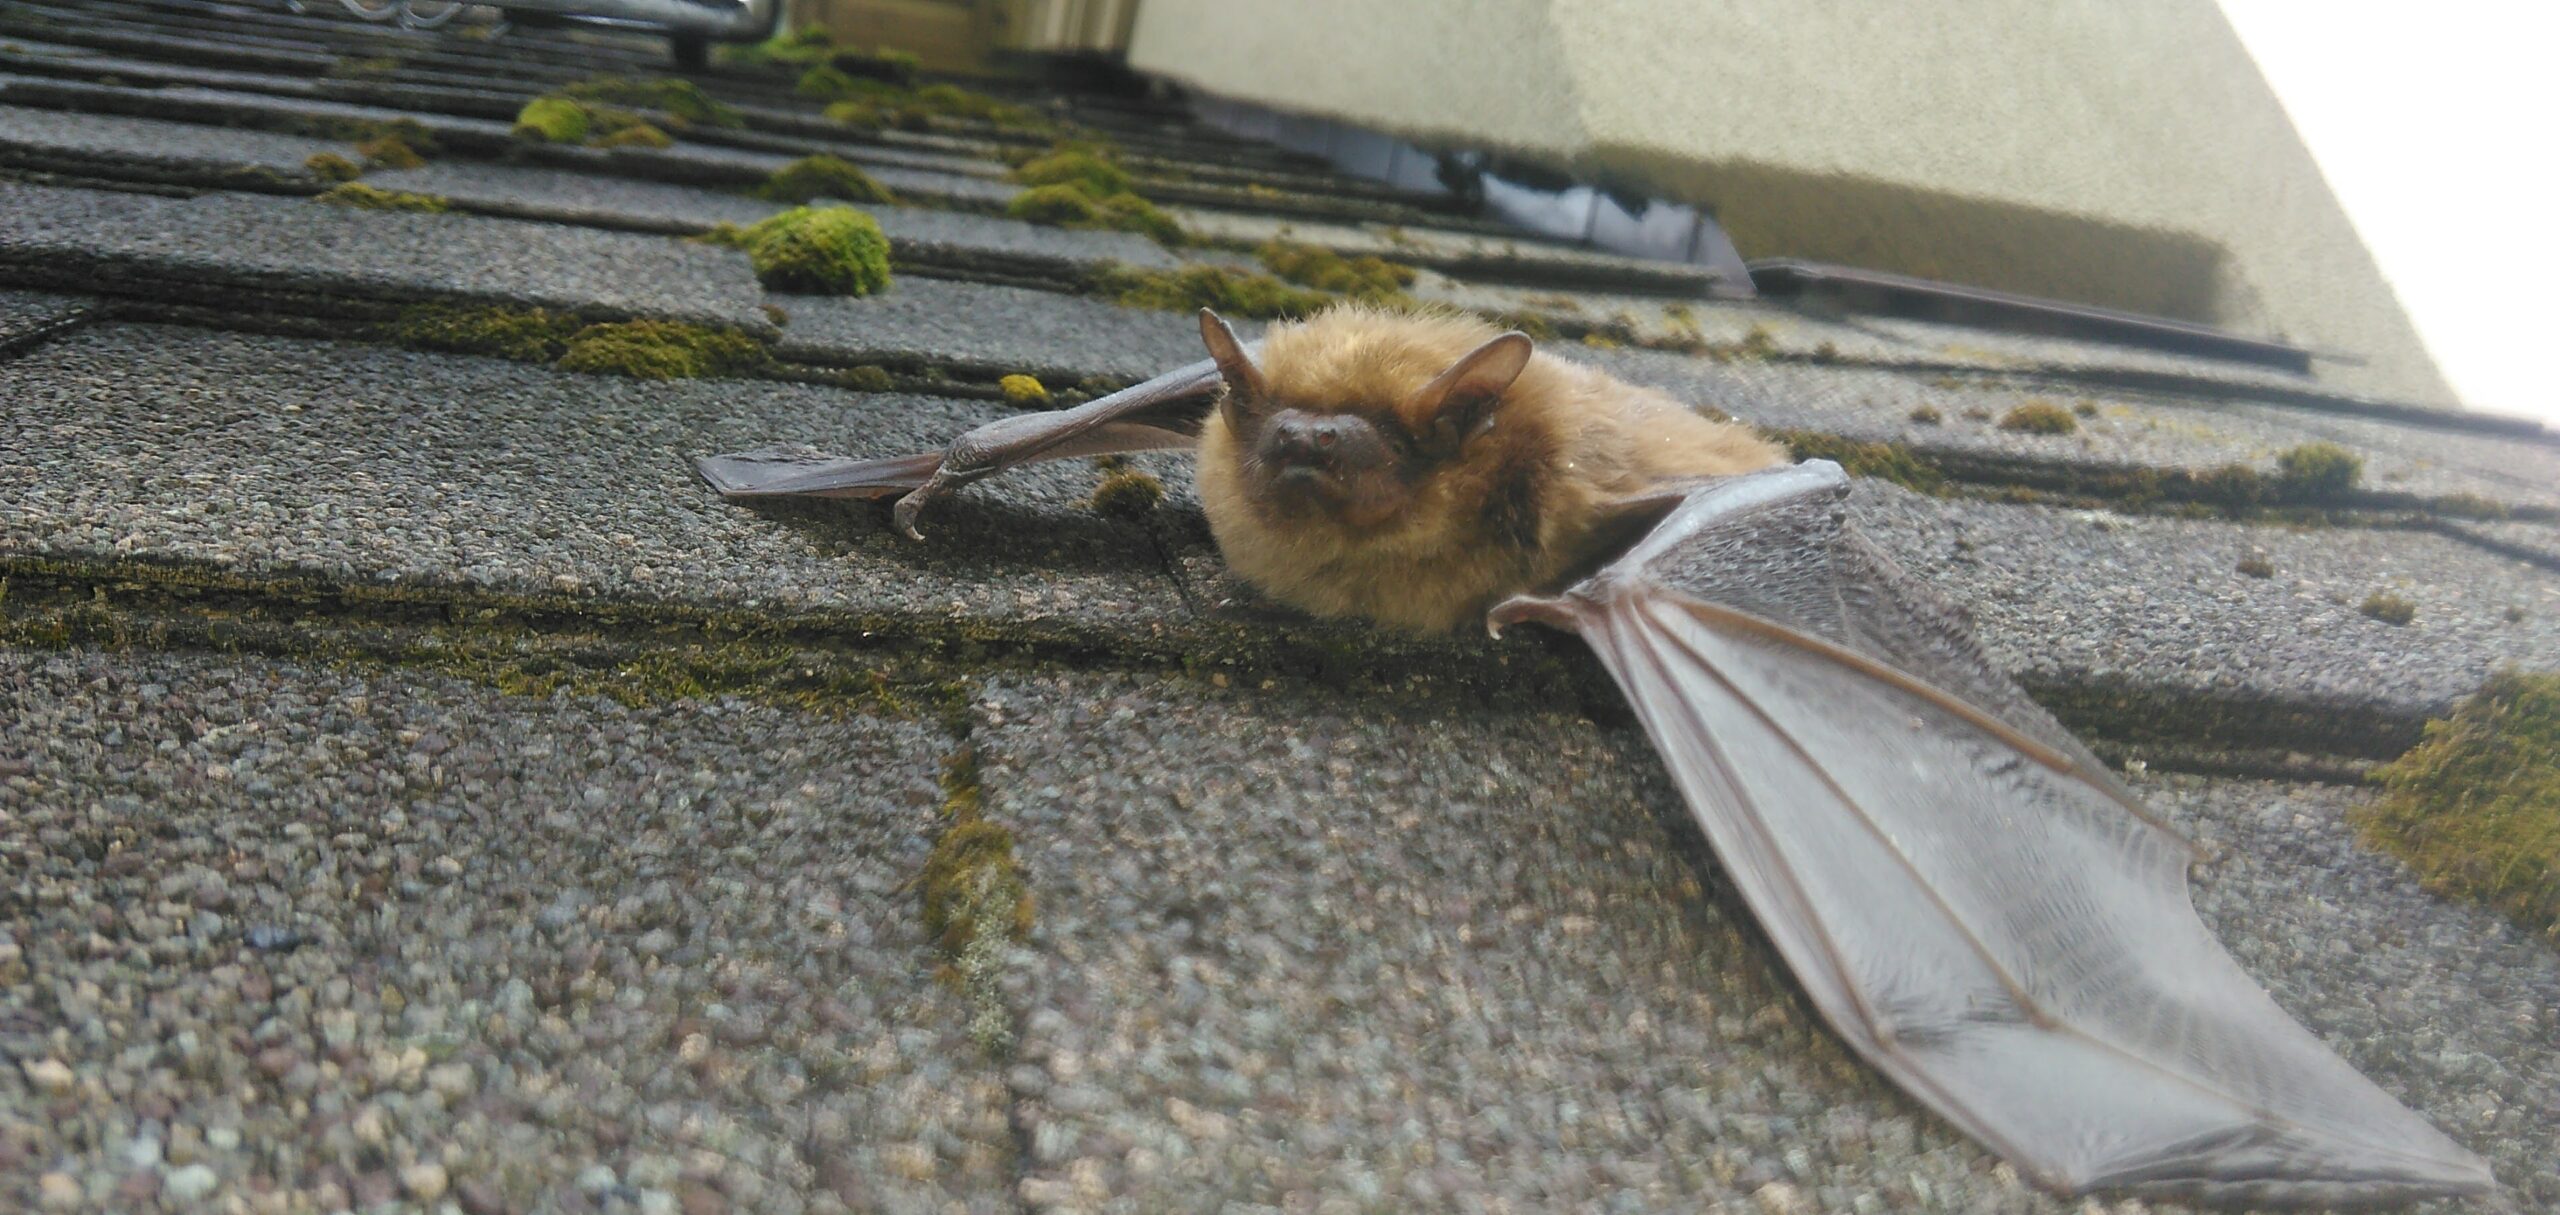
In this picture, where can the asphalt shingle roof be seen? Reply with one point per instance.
(411, 781)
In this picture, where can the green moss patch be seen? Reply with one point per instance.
(807, 44)
(1069, 206)
(2040, 418)
(661, 350)
(2475, 807)
(826, 82)
(819, 251)
(644, 349)
(1126, 493)
(329, 166)
(1883, 461)
(637, 135)
(974, 898)
(682, 100)
(2389, 608)
(873, 103)
(374, 198)
(2317, 471)
(409, 132)
(560, 118)
(389, 151)
(551, 119)
(1078, 185)
(1191, 288)
(814, 177)
(1081, 166)
(527, 335)
(1373, 279)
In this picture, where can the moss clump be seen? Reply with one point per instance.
(374, 198)
(1077, 166)
(1191, 288)
(660, 350)
(409, 132)
(863, 112)
(1883, 461)
(2236, 488)
(807, 44)
(958, 102)
(2389, 608)
(531, 335)
(2256, 565)
(2316, 471)
(637, 135)
(826, 82)
(680, 99)
(898, 65)
(1062, 206)
(389, 151)
(1374, 279)
(869, 377)
(1126, 493)
(2040, 418)
(1023, 390)
(814, 177)
(1068, 206)
(329, 166)
(2475, 807)
(551, 119)
(876, 103)
(819, 251)
(560, 118)
(1077, 185)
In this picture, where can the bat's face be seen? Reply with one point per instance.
(1303, 461)
(1368, 469)
(1358, 450)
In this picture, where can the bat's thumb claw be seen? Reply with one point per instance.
(1557, 612)
(906, 512)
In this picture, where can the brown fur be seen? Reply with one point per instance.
(1517, 508)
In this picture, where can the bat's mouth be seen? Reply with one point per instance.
(1304, 475)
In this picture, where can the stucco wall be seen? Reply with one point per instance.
(2124, 154)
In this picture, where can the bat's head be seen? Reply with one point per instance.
(1356, 450)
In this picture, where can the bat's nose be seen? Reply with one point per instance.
(1300, 440)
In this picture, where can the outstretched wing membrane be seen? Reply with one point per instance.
(1971, 901)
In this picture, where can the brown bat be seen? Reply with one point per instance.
(1977, 907)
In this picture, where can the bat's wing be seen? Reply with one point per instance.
(1165, 412)
(1972, 902)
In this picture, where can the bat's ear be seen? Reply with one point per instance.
(1461, 397)
(1234, 365)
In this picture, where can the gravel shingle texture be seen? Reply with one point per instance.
(27, 316)
(1302, 951)
(321, 939)
(256, 241)
(372, 465)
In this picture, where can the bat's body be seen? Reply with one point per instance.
(1463, 503)
(1979, 909)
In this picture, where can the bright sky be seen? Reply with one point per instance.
(2435, 125)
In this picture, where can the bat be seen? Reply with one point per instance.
(1971, 901)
